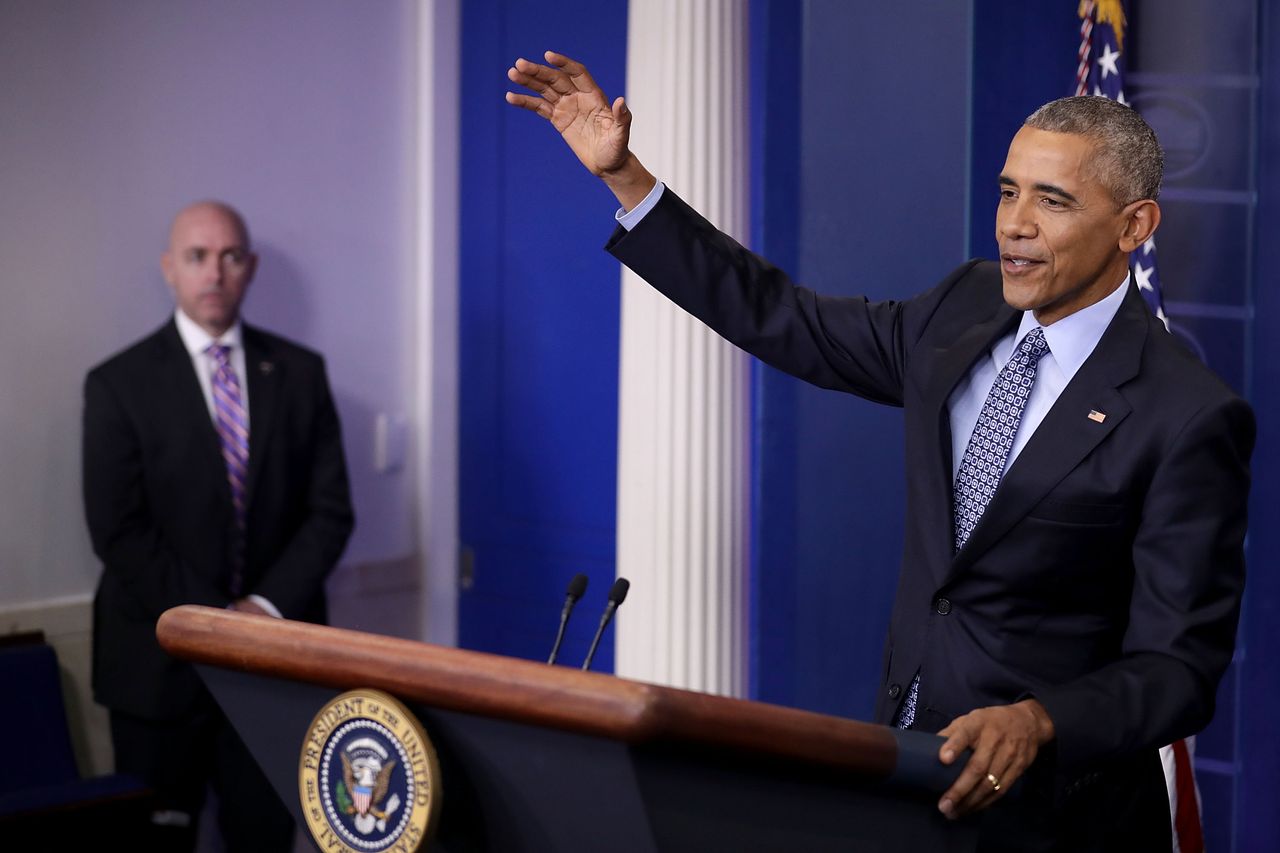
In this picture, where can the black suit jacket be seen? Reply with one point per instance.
(1104, 577)
(159, 506)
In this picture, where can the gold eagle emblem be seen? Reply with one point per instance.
(379, 782)
(1109, 12)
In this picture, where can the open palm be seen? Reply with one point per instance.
(570, 99)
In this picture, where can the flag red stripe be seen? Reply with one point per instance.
(1187, 820)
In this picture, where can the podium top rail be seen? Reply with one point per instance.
(525, 691)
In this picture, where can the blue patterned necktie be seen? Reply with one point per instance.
(982, 464)
(230, 419)
(984, 458)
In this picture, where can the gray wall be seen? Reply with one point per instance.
(115, 113)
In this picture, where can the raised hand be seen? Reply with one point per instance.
(595, 130)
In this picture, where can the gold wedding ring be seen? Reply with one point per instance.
(995, 783)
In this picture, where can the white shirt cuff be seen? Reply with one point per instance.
(265, 604)
(629, 219)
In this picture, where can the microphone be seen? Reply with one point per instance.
(617, 595)
(577, 587)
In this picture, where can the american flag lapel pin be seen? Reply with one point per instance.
(1096, 416)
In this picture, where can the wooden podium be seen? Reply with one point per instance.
(548, 758)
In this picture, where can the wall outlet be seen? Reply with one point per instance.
(390, 439)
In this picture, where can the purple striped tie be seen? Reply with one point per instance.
(233, 434)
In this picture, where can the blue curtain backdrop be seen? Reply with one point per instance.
(538, 303)
(861, 134)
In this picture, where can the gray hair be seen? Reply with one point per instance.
(1129, 161)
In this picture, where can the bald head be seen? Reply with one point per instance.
(210, 208)
(209, 264)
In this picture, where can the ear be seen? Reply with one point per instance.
(166, 268)
(1141, 218)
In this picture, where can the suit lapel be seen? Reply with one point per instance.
(1067, 434)
(183, 400)
(949, 365)
(264, 385)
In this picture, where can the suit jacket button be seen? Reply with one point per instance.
(895, 691)
(943, 606)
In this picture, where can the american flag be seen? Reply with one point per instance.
(1100, 71)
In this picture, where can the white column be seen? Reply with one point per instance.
(436, 316)
(683, 467)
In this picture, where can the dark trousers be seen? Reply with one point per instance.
(1122, 808)
(179, 758)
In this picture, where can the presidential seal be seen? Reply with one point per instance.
(368, 778)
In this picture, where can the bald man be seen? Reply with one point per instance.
(213, 474)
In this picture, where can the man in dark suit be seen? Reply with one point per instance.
(1076, 481)
(213, 474)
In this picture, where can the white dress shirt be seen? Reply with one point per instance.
(197, 342)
